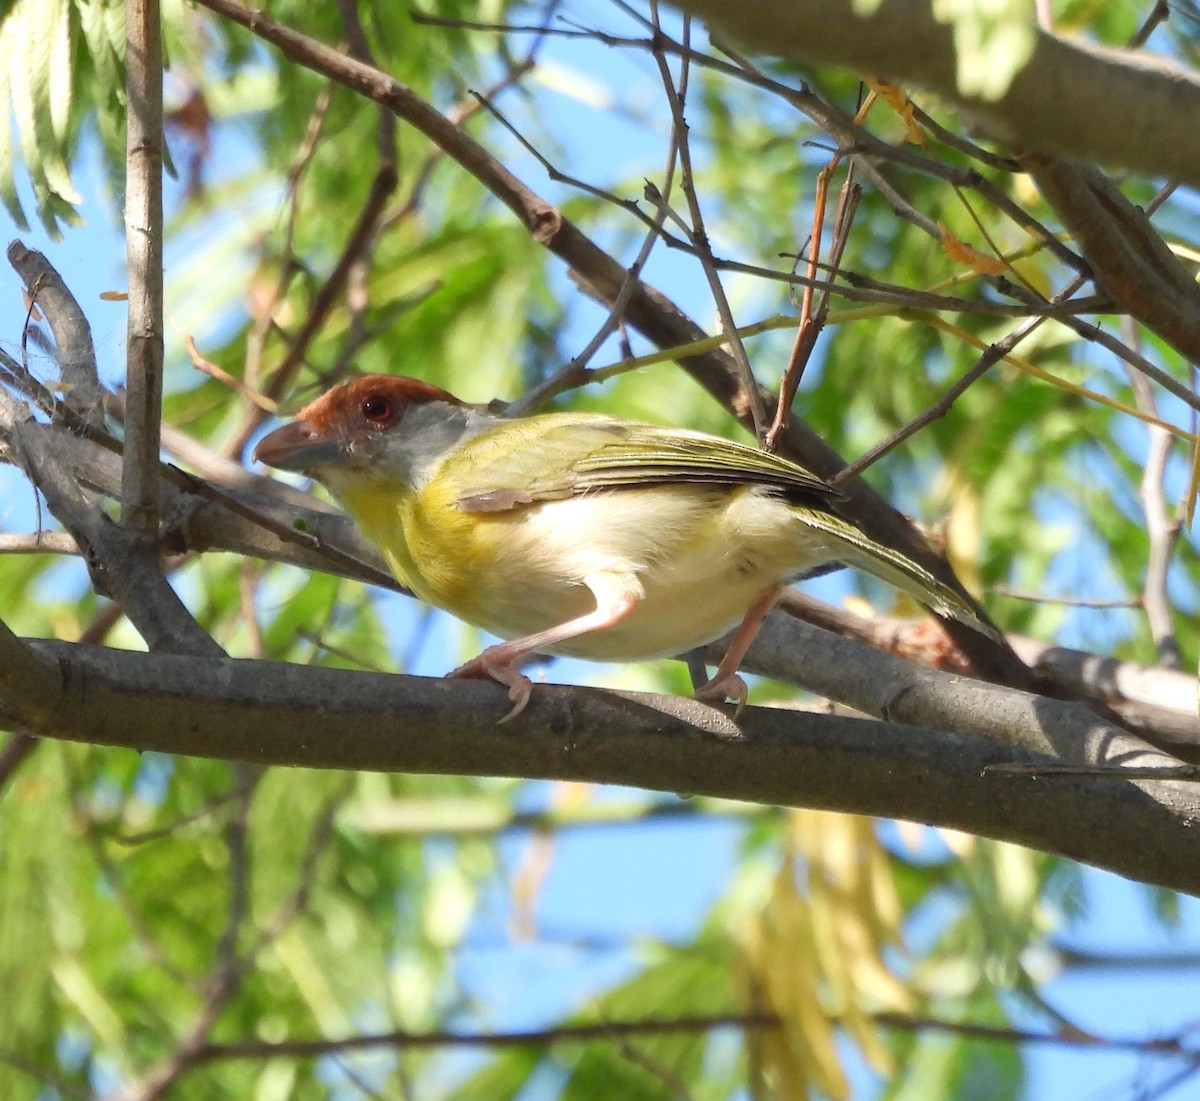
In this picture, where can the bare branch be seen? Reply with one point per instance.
(263, 712)
(39, 542)
(903, 691)
(1109, 679)
(602, 1030)
(1130, 260)
(1163, 529)
(749, 401)
(992, 355)
(144, 260)
(73, 347)
(26, 677)
(618, 1030)
(119, 565)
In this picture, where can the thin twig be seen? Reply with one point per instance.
(1065, 601)
(264, 318)
(201, 363)
(674, 1085)
(322, 305)
(1162, 528)
(576, 372)
(144, 260)
(297, 902)
(812, 322)
(1160, 13)
(228, 968)
(39, 542)
(749, 400)
(403, 1039)
(1168, 1046)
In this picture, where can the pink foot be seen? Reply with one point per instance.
(724, 686)
(495, 664)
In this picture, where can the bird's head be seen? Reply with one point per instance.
(383, 425)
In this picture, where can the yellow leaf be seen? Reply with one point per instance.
(1032, 271)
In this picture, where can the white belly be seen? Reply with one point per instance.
(698, 561)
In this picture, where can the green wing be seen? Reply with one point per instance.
(577, 454)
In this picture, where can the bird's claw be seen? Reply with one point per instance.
(519, 686)
(724, 686)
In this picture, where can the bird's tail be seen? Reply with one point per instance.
(901, 572)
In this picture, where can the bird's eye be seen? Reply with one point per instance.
(378, 408)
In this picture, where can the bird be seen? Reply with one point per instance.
(581, 534)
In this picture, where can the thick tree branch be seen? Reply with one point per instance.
(250, 519)
(27, 679)
(1130, 260)
(119, 566)
(1158, 704)
(1125, 108)
(890, 687)
(274, 713)
(251, 515)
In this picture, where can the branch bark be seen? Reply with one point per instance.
(73, 346)
(144, 262)
(274, 713)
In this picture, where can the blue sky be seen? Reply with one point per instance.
(657, 881)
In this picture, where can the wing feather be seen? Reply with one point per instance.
(583, 454)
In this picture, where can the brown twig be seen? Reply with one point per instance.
(567, 1034)
(616, 1030)
(144, 260)
(201, 363)
(576, 373)
(748, 402)
(264, 316)
(1130, 260)
(1160, 13)
(360, 239)
(812, 322)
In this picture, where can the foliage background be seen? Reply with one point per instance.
(157, 911)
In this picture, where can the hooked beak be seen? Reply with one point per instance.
(298, 446)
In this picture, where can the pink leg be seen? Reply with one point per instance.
(727, 684)
(613, 603)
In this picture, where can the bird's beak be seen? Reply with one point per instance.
(298, 446)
